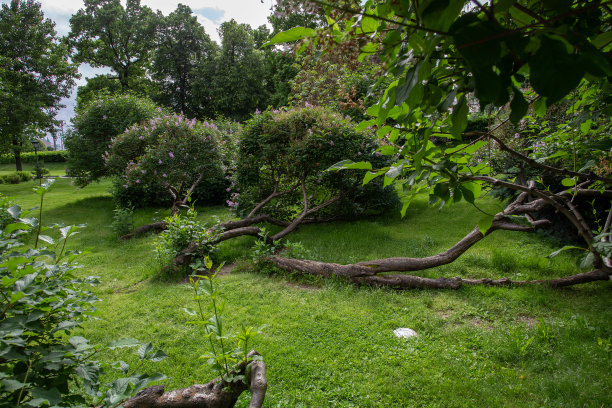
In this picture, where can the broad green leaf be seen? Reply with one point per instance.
(485, 223)
(47, 239)
(156, 356)
(349, 164)
(518, 107)
(459, 118)
(45, 397)
(369, 24)
(370, 175)
(553, 71)
(16, 226)
(568, 182)
(587, 261)
(293, 34)
(565, 248)
(144, 350)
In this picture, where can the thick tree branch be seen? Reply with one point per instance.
(215, 394)
(535, 164)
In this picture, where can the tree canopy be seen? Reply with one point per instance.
(107, 34)
(35, 73)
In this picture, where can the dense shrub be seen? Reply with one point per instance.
(11, 178)
(281, 148)
(94, 127)
(166, 156)
(56, 156)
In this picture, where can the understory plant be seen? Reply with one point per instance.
(182, 229)
(42, 302)
(227, 349)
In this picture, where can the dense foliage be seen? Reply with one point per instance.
(177, 153)
(280, 149)
(36, 73)
(102, 119)
(510, 58)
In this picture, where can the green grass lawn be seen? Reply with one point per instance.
(330, 344)
(55, 169)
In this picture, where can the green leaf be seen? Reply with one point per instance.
(554, 72)
(518, 107)
(156, 356)
(47, 239)
(369, 24)
(16, 226)
(293, 34)
(349, 164)
(42, 396)
(144, 350)
(568, 182)
(459, 118)
(370, 175)
(485, 223)
(587, 261)
(565, 248)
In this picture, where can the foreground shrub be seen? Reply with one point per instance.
(94, 127)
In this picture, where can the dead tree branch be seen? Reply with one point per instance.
(215, 394)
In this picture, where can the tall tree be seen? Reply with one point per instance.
(105, 34)
(36, 73)
(238, 83)
(182, 44)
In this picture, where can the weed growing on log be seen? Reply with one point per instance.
(226, 349)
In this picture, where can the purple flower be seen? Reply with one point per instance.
(125, 186)
(159, 109)
(155, 172)
(104, 117)
(171, 155)
(378, 154)
(143, 171)
(257, 111)
(306, 104)
(358, 153)
(160, 162)
(137, 181)
(331, 142)
(164, 175)
(141, 137)
(228, 189)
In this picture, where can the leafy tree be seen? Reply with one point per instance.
(36, 73)
(109, 84)
(106, 34)
(94, 128)
(511, 57)
(237, 80)
(181, 47)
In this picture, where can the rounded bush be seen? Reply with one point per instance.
(168, 152)
(94, 127)
(284, 147)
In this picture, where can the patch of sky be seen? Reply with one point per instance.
(212, 13)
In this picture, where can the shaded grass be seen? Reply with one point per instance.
(332, 344)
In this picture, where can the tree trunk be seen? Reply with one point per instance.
(18, 164)
(156, 226)
(215, 394)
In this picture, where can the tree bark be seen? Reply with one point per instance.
(155, 226)
(215, 394)
(18, 164)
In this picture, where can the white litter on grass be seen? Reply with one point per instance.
(404, 332)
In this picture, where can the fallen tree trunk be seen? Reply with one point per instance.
(360, 274)
(215, 394)
(155, 226)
